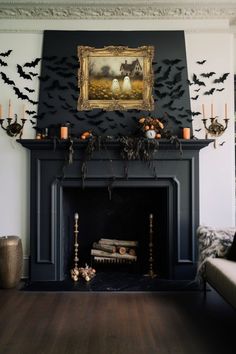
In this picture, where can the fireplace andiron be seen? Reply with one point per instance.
(87, 272)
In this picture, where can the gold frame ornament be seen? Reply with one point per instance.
(115, 78)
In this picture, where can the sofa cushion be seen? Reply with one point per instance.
(212, 242)
(221, 274)
(231, 255)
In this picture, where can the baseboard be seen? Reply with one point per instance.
(25, 268)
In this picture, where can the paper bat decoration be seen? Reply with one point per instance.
(189, 82)
(55, 85)
(22, 73)
(160, 95)
(197, 130)
(176, 79)
(30, 112)
(197, 90)
(196, 81)
(61, 61)
(123, 125)
(177, 95)
(6, 54)
(79, 118)
(113, 126)
(32, 122)
(201, 62)
(165, 75)
(121, 114)
(220, 90)
(61, 98)
(189, 120)
(166, 105)
(180, 68)
(195, 98)
(94, 115)
(110, 119)
(158, 70)
(33, 74)
(33, 63)
(2, 63)
(171, 62)
(29, 90)
(103, 130)
(73, 86)
(183, 115)
(192, 113)
(44, 78)
(74, 97)
(54, 68)
(207, 74)
(50, 58)
(48, 105)
(65, 75)
(210, 92)
(95, 122)
(6, 79)
(158, 85)
(19, 94)
(221, 79)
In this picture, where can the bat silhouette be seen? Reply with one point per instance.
(113, 126)
(210, 92)
(180, 67)
(158, 85)
(176, 79)
(160, 95)
(197, 90)
(30, 112)
(73, 86)
(221, 79)
(207, 74)
(123, 125)
(19, 94)
(32, 122)
(55, 85)
(22, 73)
(192, 113)
(165, 75)
(6, 79)
(61, 98)
(177, 95)
(103, 130)
(195, 98)
(189, 120)
(33, 63)
(222, 89)
(196, 81)
(2, 63)
(197, 130)
(189, 82)
(65, 75)
(171, 62)
(201, 62)
(110, 119)
(167, 105)
(48, 105)
(221, 144)
(61, 61)
(33, 74)
(121, 114)
(29, 90)
(74, 97)
(54, 68)
(94, 115)
(183, 115)
(95, 122)
(6, 54)
(49, 58)
(79, 118)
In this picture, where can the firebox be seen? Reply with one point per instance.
(114, 200)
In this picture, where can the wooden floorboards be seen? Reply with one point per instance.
(115, 323)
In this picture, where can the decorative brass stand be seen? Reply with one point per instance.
(87, 272)
(15, 128)
(215, 129)
(75, 271)
(151, 258)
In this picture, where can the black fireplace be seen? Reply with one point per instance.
(114, 200)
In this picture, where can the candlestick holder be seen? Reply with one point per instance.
(151, 273)
(215, 128)
(13, 129)
(75, 271)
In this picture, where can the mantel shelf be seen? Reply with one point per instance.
(50, 144)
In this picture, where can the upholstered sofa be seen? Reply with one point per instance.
(215, 247)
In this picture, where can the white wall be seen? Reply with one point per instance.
(216, 165)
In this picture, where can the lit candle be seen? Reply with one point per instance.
(212, 110)
(186, 133)
(203, 111)
(9, 110)
(226, 113)
(1, 111)
(76, 216)
(64, 132)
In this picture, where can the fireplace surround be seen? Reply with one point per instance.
(50, 226)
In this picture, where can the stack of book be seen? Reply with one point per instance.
(114, 251)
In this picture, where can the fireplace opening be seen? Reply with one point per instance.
(126, 216)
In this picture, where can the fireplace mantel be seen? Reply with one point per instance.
(50, 174)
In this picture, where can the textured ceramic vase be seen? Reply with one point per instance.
(11, 261)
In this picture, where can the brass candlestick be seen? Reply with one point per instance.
(15, 128)
(151, 258)
(75, 271)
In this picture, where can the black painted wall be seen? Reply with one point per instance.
(59, 81)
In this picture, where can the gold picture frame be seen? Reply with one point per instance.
(115, 78)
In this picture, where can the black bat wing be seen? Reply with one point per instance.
(195, 97)
(221, 79)
(210, 92)
(2, 63)
(29, 90)
(201, 62)
(208, 74)
(6, 79)
(19, 94)
(22, 73)
(33, 63)
(6, 54)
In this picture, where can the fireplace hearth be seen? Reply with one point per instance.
(172, 196)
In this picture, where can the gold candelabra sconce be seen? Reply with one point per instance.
(12, 127)
(215, 128)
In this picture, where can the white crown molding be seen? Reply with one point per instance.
(140, 10)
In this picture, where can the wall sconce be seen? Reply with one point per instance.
(12, 128)
(215, 129)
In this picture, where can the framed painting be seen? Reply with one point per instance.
(115, 78)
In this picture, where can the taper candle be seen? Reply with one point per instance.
(1, 111)
(9, 109)
(23, 112)
(76, 216)
(226, 113)
(212, 110)
(203, 111)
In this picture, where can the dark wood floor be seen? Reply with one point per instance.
(115, 323)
